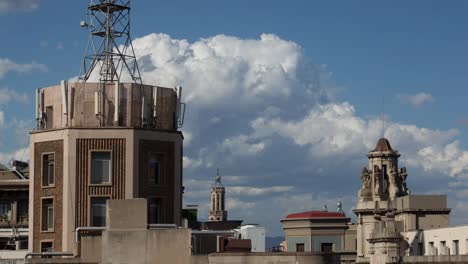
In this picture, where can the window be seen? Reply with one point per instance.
(154, 170)
(5, 211)
(100, 167)
(98, 211)
(456, 249)
(47, 214)
(300, 247)
(154, 211)
(48, 169)
(22, 211)
(326, 247)
(47, 247)
(432, 249)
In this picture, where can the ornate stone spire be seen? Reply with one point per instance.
(217, 207)
(383, 180)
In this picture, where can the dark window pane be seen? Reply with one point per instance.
(300, 247)
(47, 215)
(154, 211)
(98, 211)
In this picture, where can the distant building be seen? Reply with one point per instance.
(386, 210)
(319, 231)
(446, 241)
(14, 195)
(217, 205)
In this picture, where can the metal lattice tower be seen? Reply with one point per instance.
(110, 50)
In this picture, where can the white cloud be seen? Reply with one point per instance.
(8, 95)
(2, 118)
(255, 191)
(6, 65)
(19, 154)
(18, 5)
(334, 130)
(258, 107)
(416, 100)
(222, 70)
(241, 146)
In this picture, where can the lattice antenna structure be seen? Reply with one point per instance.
(109, 52)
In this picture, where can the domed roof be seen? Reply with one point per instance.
(316, 214)
(383, 146)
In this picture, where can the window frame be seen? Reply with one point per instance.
(47, 241)
(300, 244)
(160, 209)
(90, 167)
(9, 212)
(90, 217)
(48, 230)
(42, 170)
(160, 158)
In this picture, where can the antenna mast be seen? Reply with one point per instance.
(110, 52)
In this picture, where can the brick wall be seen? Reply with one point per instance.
(55, 192)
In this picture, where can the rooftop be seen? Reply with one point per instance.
(316, 214)
(383, 146)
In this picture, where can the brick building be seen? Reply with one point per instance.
(99, 141)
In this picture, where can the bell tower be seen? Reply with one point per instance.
(382, 183)
(217, 207)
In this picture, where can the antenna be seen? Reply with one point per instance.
(383, 116)
(110, 50)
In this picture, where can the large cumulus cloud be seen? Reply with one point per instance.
(267, 116)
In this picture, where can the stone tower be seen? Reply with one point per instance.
(382, 183)
(217, 209)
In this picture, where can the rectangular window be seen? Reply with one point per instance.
(154, 170)
(326, 247)
(98, 211)
(154, 211)
(22, 214)
(456, 248)
(48, 169)
(47, 214)
(300, 247)
(5, 211)
(432, 249)
(47, 247)
(100, 167)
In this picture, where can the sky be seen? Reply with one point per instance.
(286, 98)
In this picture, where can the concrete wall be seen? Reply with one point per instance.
(435, 259)
(272, 258)
(449, 235)
(159, 246)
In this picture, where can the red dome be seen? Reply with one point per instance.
(316, 214)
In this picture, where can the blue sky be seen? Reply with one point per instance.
(411, 53)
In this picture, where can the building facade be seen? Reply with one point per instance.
(319, 232)
(100, 141)
(14, 199)
(386, 208)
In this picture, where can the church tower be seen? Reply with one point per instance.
(382, 183)
(217, 209)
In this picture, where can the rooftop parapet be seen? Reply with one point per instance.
(109, 105)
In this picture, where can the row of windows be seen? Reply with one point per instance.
(97, 212)
(443, 249)
(324, 247)
(101, 168)
(6, 210)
